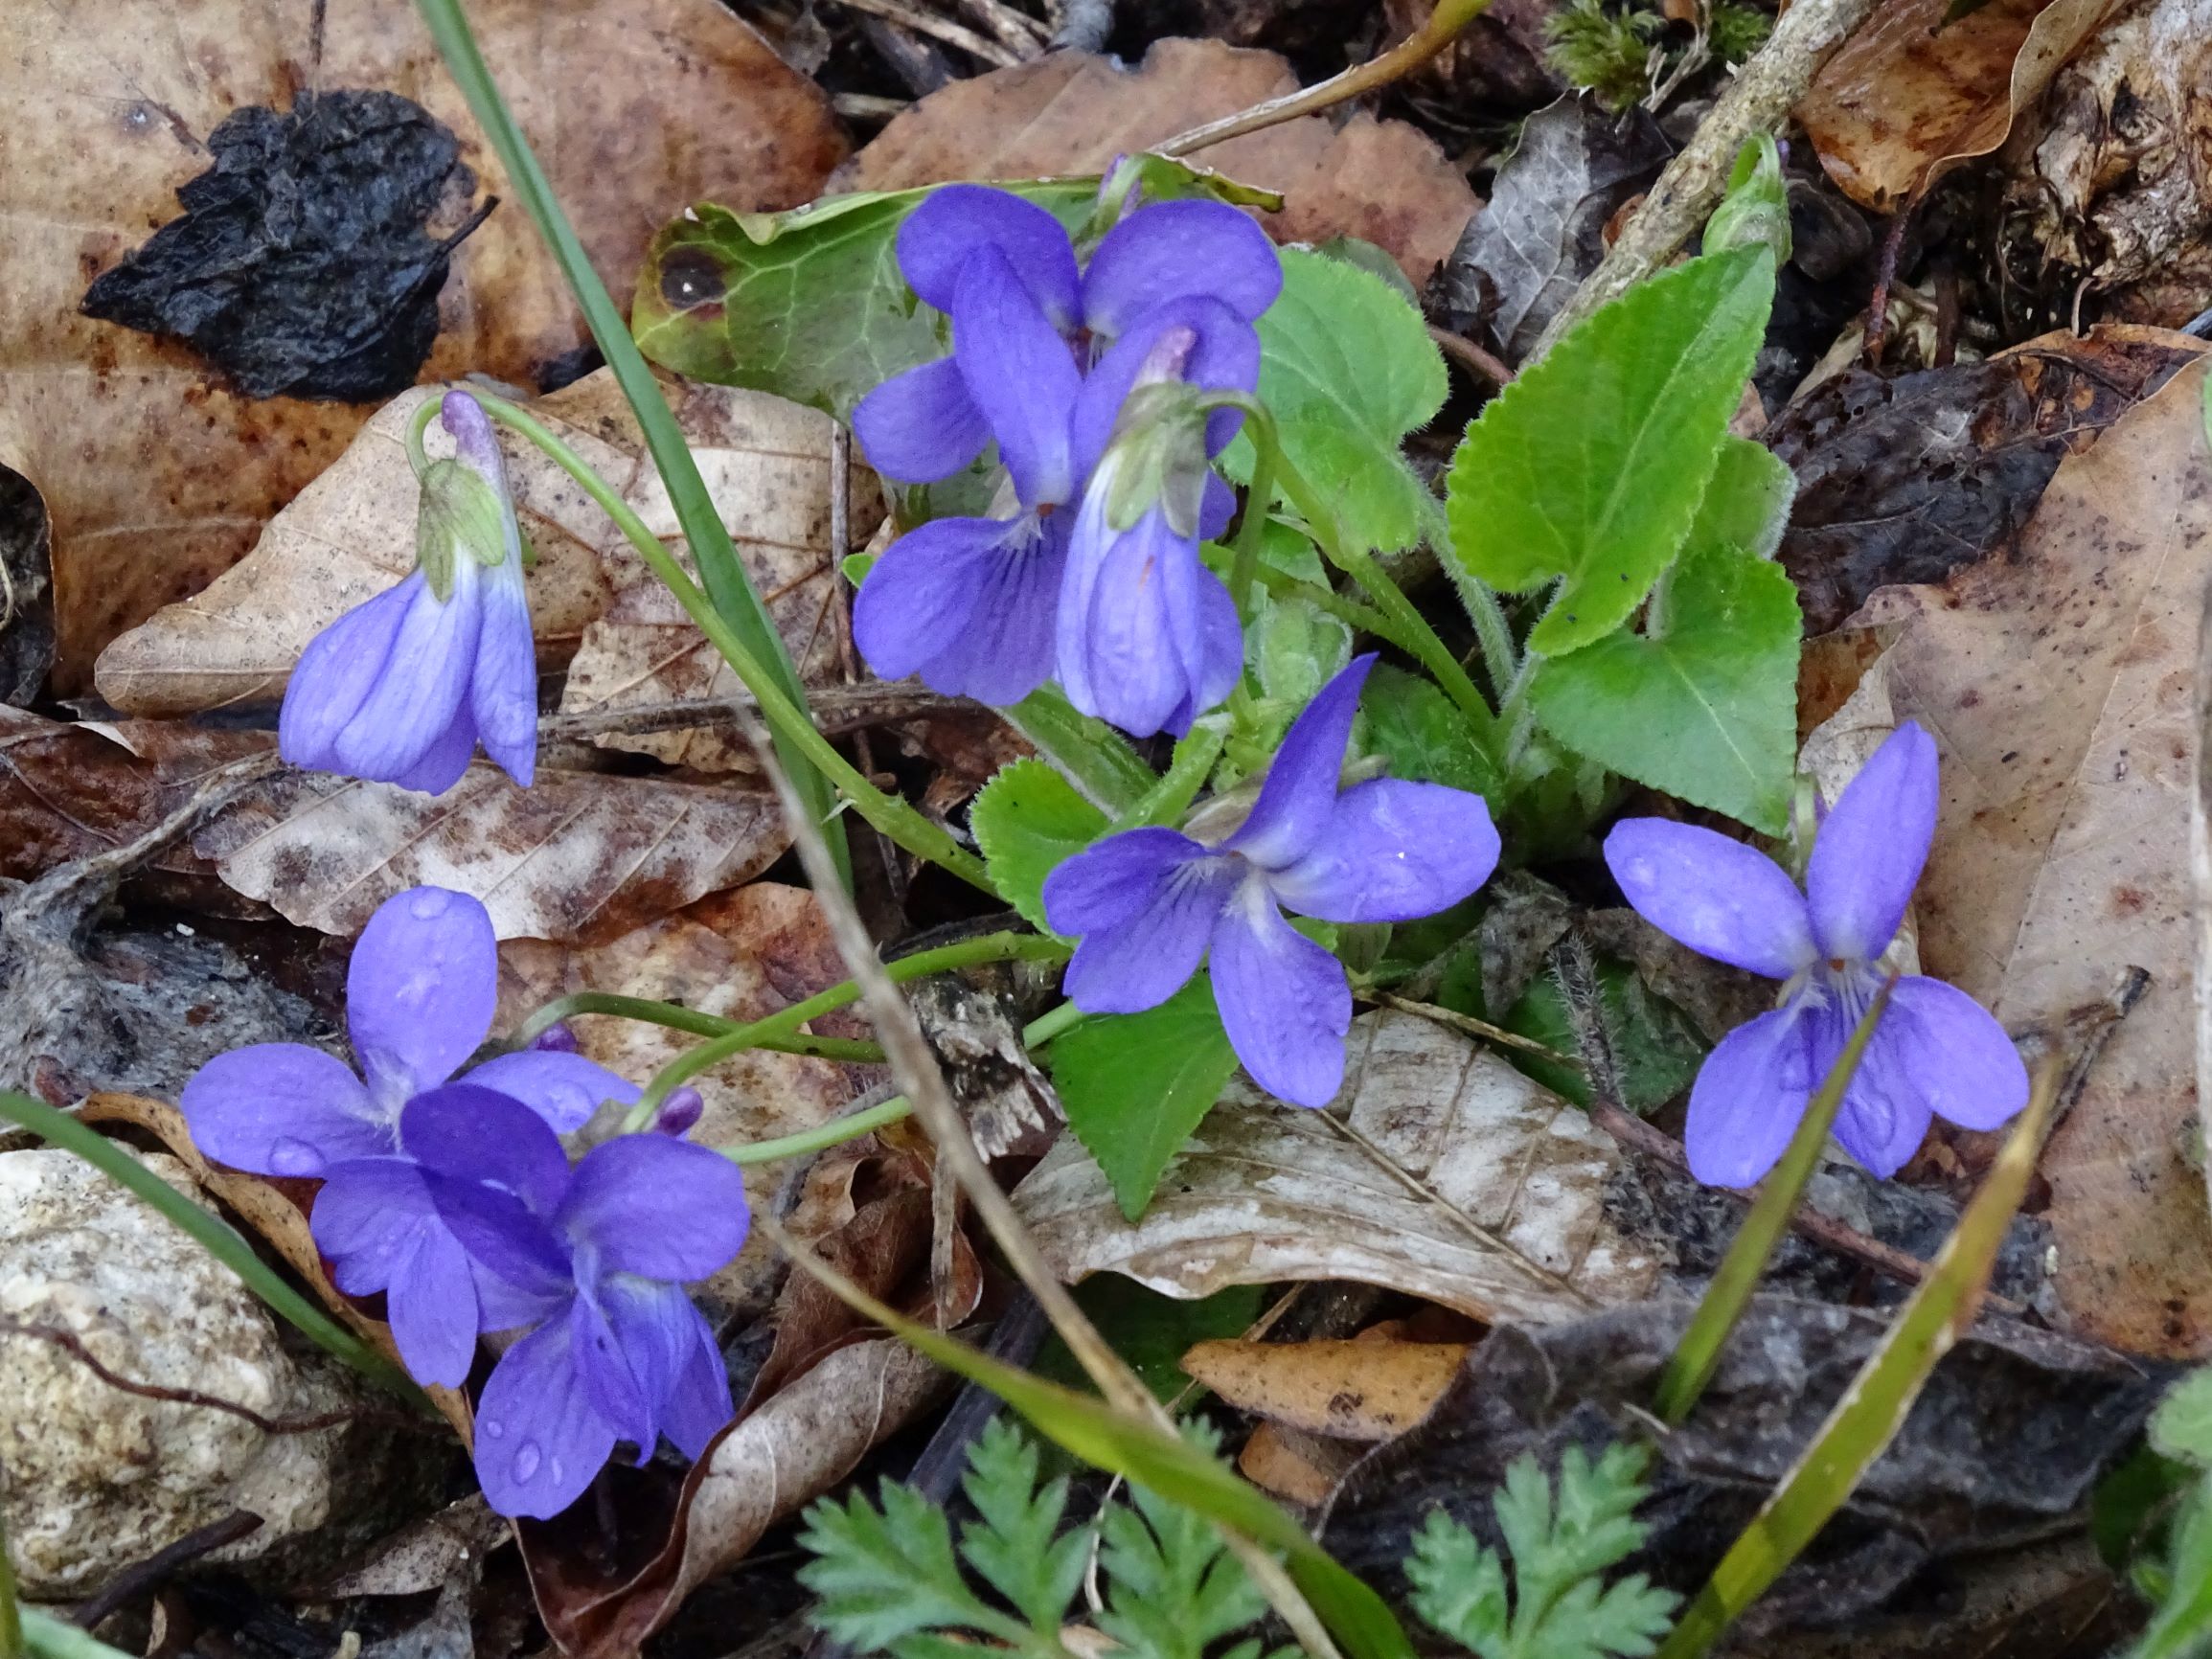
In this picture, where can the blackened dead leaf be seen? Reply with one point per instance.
(1907, 480)
(1543, 231)
(26, 588)
(2002, 1447)
(305, 265)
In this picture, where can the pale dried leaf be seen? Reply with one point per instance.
(1073, 112)
(1909, 96)
(2059, 684)
(1302, 1467)
(352, 534)
(1366, 1391)
(158, 474)
(1440, 1171)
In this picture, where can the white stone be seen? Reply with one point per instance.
(92, 1478)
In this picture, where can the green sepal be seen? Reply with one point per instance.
(456, 511)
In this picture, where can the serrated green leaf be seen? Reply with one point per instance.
(1421, 737)
(882, 1575)
(1349, 369)
(1136, 1084)
(1703, 705)
(1026, 822)
(1172, 1588)
(1015, 1546)
(2181, 1427)
(1590, 466)
(1747, 505)
(808, 305)
(1459, 1586)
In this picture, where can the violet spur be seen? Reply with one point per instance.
(1935, 1054)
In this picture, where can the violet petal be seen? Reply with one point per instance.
(538, 1442)
(421, 989)
(282, 1109)
(1393, 851)
(951, 223)
(1170, 892)
(564, 1089)
(1298, 798)
(1021, 375)
(657, 1207)
(921, 425)
(1719, 897)
(1285, 1001)
(472, 1131)
(1171, 249)
(1868, 855)
(503, 690)
(1751, 1095)
(335, 673)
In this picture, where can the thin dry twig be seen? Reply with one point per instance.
(1467, 1024)
(1758, 100)
(72, 1345)
(1443, 27)
(1471, 356)
(836, 709)
(148, 1574)
(939, 28)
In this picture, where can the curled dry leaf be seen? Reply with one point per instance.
(2057, 682)
(276, 1208)
(1072, 112)
(1910, 95)
(1904, 478)
(1358, 1390)
(1440, 1171)
(740, 954)
(595, 605)
(157, 473)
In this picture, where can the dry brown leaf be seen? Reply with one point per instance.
(352, 534)
(2057, 683)
(1450, 1175)
(1074, 112)
(1345, 1390)
(276, 1208)
(1909, 95)
(157, 476)
(1301, 1468)
(740, 955)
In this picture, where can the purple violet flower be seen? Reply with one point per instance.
(1936, 1054)
(593, 1260)
(970, 604)
(420, 994)
(1150, 903)
(401, 688)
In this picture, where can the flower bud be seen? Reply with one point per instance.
(554, 1039)
(680, 1113)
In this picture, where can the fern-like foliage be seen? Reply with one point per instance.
(887, 1580)
(1560, 1608)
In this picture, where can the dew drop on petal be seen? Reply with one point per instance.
(559, 1471)
(428, 902)
(526, 1461)
(492, 1427)
(288, 1156)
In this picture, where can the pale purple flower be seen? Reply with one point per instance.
(1149, 904)
(970, 604)
(1935, 1054)
(592, 1260)
(401, 688)
(420, 994)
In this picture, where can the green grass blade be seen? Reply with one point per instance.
(1873, 1407)
(1137, 1449)
(223, 1242)
(1699, 1353)
(724, 578)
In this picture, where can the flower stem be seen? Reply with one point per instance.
(1500, 659)
(898, 819)
(735, 602)
(784, 1024)
(1409, 630)
(1052, 1023)
(822, 1136)
(1697, 1355)
(11, 1616)
(1254, 527)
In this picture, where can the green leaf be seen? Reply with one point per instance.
(1349, 369)
(808, 305)
(1093, 756)
(1014, 1546)
(1026, 820)
(1755, 213)
(1422, 737)
(2182, 1628)
(1590, 466)
(2181, 1427)
(1562, 1609)
(1150, 1331)
(1136, 1084)
(1703, 704)
(1747, 506)
(881, 1575)
(1656, 1049)
(1173, 1587)
(1140, 1451)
